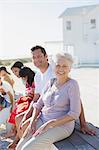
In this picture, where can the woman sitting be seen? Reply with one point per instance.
(56, 110)
(22, 104)
(6, 101)
(5, 75)
(15, 68)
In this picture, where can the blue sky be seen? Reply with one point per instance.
(25, 23)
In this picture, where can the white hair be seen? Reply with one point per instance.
(66, 56)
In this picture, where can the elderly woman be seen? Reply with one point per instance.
(56, 110)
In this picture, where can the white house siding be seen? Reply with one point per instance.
(74, 37)
(97, 44)
(53, 47)
(93, 35)
(82, 37)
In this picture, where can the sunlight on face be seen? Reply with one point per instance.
(62, 67)
(16, 70)
(3, 73)
(38, 58)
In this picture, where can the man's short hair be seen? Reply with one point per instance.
(39, 47)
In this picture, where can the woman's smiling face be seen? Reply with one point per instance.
(62, 67)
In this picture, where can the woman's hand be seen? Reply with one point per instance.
(30, 129)
(86, 130)
(27, 115)
(43, 128)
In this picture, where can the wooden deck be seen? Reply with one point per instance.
(77, 141)
(80, 141)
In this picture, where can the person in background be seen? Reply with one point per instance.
(5, 75)
(58, 108)
(22, 104)
(27, 75)
(6, 91)
(16, 66)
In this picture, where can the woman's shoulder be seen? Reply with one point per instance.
(73, 82)
(9, 79)
(6, 85)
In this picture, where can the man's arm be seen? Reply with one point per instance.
(83, 124)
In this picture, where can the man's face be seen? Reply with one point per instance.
(38, 58)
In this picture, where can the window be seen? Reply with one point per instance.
(93, 23)
(68, 25)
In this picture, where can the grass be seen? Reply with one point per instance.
(10, 61)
